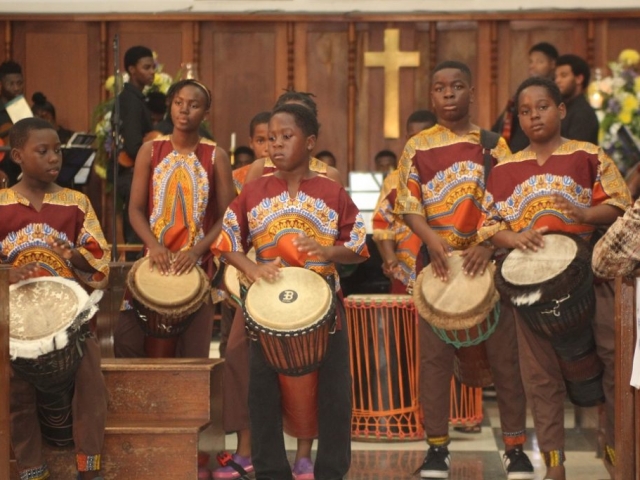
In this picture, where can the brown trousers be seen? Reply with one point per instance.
(436, 369)
(235, 394)
(544, 384)
(89, 411)
(195, 342)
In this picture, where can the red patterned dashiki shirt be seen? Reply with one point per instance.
(267, 218)
(240, 174)
(389, 226)
(442, 178)
(520, 191)
(66, 214)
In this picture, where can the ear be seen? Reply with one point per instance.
(472, 94)
(311, 142)
(562, 108)
(16, 156)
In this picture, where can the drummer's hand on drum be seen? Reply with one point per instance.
(476, 259)
(18, 274)
(269, 271)
(439, 250)
(183, 262)
(160, 257)
(310, 247)
(575, 213)
(390, 266)
(530, 240)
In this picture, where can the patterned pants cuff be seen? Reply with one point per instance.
(513, 439)
(610, 454)
(88, 463)
(438, 441)
(36, 473)
(554, 458)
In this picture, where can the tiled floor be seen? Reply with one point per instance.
(473, 456)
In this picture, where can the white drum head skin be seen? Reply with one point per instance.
(298, 299)
(166, 290)
(461, 294)
(231, 279)
(41, 310)
(529, 268)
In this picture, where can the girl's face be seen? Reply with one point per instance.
(289, 147)
(189, 108)
(540, 117)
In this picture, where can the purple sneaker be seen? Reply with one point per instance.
(229, 472)
(303, 469)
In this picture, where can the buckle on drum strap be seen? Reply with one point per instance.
(226, 460)
(554, 311)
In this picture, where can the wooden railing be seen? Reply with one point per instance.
(627, 422)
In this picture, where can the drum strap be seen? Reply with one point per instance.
(488, 140)
(226, 460)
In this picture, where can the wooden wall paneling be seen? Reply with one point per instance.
(5, 40)
(241, 70)
(363, 116)
(409, 78)
(373, 101)
(425, 43)
(300, 60)
(621, 34)
(601, 44)
(351, 97)
(190, 44)
(281, 66)
(483, 97)
(459, 41)
(505, 72)
(327, 69)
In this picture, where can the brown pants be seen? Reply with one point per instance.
(195, 342)
(89, 411)
(235, 403)
(436, 369)
(544, 383)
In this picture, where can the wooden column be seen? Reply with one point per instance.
(5, 372)
(351, 99)
(625, 421)
(7, 40)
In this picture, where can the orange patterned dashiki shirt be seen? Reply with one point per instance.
(441, 176)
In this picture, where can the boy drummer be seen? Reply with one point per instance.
(49, 230)
(312, 203)
(561, 185)
(444, 166)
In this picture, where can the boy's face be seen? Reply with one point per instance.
(385, 164)
(40, 158)
(289, 147)
(243, 159)
(539, 116)
(259, 143)
(414, 128)
(569, 84)
(11, 86)
(143, 72)
(451, 94)
(540, 65)
(188, 108)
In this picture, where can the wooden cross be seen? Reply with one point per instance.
(392, 59)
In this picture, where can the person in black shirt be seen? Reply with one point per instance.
(572, 78)
(11, 85)
(44, 109)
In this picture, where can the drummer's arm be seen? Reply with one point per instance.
(255, 170)
(438, 248)
(528, 240)
(329, 253)
(64, 249)
(602, 214)
(140, 197)
(252, 270)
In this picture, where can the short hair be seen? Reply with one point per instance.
(244, 150)
(453, 64)
(259, 119)
(176, 87)
(546, 48)
(134, 54)
(546, 83)
(41, 104)
(19, 133)
(304, 98)
(304, 117)
(385, 153)
(325, 153)
(422, 116)
(578, 66)
(9, 67)
(157, 102)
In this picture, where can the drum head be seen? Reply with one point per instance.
(164, 290)
(298, 299)
(530, 268)
(462, 294)
(40, 307)
(231, 279)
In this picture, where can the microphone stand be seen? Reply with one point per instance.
(117, 144)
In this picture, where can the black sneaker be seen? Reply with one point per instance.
(436, 463)
(517, 465)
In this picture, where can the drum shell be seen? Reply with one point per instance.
(471, 366)
(299, 398)
(160, 325)
(473, 336)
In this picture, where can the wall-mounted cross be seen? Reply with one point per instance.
(392, 59)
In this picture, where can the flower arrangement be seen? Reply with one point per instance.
(101, 118)
(616, 99)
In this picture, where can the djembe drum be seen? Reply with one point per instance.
(552, 290)
(232, 280)
(165, 305)
(48, 325)
(384, 367)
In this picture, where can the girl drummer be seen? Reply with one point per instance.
(309, 203)
(181, 186)
(562, 185)
(47, 230)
